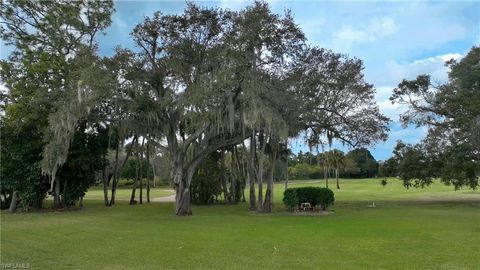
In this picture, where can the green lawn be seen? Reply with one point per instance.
(124, 193)
(433, 228)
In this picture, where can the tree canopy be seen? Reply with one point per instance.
(451, 111)
(200, 82)
(51, 41)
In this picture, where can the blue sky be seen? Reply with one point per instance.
(395, 40)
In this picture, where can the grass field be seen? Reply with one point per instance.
(124, 193)
(433, 228)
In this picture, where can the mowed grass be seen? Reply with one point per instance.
(125, 193)
(433, 228)
(372, 190)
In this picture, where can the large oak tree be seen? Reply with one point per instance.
(209, 79)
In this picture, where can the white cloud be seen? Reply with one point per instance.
(394, 72)
(312, 27)
(119, 22)
(390, 110)
(435, 66)
(234, 4)
(375, 29)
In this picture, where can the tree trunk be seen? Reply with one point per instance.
(64, 201)
(56, 194)
(183, 170)
(286, 173)
(260, 174)
(234, 185)
(80, 203)
(148, 173)
(154, 170)
(223, 179)
(336, 175)
(115, 172)
(141, 187)
(13, 202)
(105, 175)
(115, 169)
(132, 196)
(260, 186)
(182, 197)
(141, 170)
(240, 180)
(134, 187)
(105, 189)
(251, 173)
(268, 204)
(325, 175)
(182, 187)
(140, 182)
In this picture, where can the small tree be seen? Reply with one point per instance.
(337, 160)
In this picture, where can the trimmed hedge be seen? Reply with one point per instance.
(292, 197)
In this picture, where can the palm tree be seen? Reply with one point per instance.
(336, 158)
(324, 161)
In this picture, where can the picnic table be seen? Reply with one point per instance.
(306, 207)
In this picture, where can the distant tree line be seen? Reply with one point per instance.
(357, 163)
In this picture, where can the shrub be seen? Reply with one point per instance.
(325, 198)
(384, 182)
(290, 199)
(308, 194)
(206, 185)
(313, 195)
(125, 182)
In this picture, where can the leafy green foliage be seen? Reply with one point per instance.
(85, 159)
(451, 111)
(365, 163)
(48, 37)
(325, 198)
(305, 171)
(129, 171)
(358, 163)
(388, 168)
(20, 157)
(290, 198)
(414, 167)
(336, 101)
(201, 81)
(77, 21)
(313, 195)
(306, 158)
(384, 182)
(206, 184)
